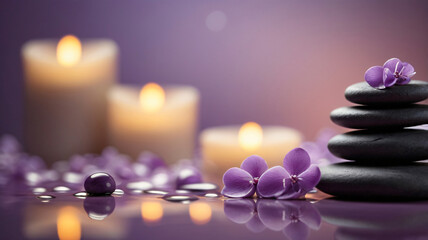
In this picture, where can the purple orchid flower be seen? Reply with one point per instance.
(292, 181)
(242, 182)
(392, 72)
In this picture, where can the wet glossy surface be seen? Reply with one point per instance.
(30, 213)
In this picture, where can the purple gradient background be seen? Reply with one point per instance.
(275, 62)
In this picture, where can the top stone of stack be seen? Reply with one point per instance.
(363, 93)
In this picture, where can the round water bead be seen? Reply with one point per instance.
(179, 198)
(199, 187)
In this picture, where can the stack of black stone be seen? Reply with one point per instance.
(385, 152)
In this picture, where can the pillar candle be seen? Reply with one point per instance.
(156, 119)
(65, 95)
(227, 146)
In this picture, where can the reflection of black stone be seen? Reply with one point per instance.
(363, 220)
(99, 207)
(381, 146)
(362, 93)
(366, 117)
(391, 183)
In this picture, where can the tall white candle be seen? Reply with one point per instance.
(65, 95)
(227, 146)
(163, 121)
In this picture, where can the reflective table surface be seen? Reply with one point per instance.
(38, 213)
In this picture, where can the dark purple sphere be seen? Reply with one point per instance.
(100, 184)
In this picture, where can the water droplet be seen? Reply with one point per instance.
(81, 195)
(313, 191)
(118, 192)
(212, 195)
(137, 191)
(141, 185)
(61, 189)
(199, 187)
(45, 197)
(180, 198)
(179, 191)
(156, 192)
(39, 190)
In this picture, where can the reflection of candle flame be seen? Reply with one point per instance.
(69, 50)
(68, 224)
(151, 212)
(250, 136)
(152, 97)
(200, 213)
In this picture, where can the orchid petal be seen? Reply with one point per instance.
(309, 178)
(407, 72)
(296, 231)
(271, 183)
(254, 165)
(297, 161)
(272, 214)
(290, 194)
(239, 210)
(403, 80)
(408, 69)
(388, 78)
(238, 183)
(393, 64)
(374, 77)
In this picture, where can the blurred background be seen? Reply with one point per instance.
(273, 62)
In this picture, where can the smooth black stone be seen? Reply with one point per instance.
(393, 146)
(390, 183)
(362, 93)
(367, 117)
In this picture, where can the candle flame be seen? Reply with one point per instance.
(250, 136)
(152, 97)
(68, 224)
(151, 212)
(69, 51)
(200, 213)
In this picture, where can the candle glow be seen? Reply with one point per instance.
(200, 213)
(151, 212)
(69, 51)
(152, 97)
(68, 224)
(250, 136)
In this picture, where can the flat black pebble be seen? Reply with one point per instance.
(362, 93)
(390, 183)
(393, 146)
(367, 117)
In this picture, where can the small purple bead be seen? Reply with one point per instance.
(100, 184)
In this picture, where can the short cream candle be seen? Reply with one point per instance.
(66, 84)
(152, 118)
(227, 146)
